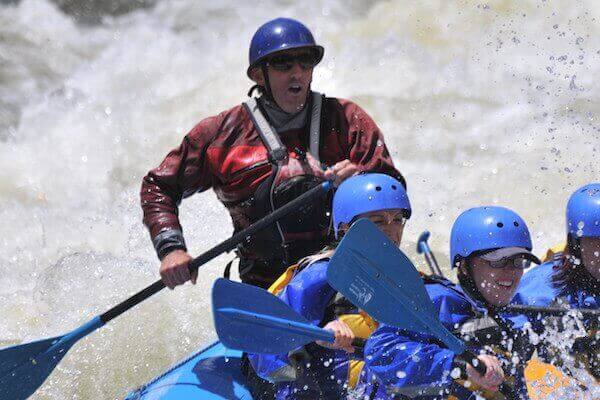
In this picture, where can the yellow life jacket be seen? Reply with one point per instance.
(553, 251)
(361, 324)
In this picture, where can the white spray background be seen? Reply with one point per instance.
(481, 103)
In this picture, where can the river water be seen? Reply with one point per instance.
(481, 103)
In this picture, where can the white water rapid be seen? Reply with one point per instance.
(481, 102)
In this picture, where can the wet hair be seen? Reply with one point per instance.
(572, 274)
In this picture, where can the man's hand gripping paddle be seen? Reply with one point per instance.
(375, 275)
(250, 319)
(24, 367)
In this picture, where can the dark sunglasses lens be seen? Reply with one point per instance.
(281, 63)
(521, 263)
(306, 60)
(285, 63)
(517, 262)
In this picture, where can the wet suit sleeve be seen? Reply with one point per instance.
(308, 293)
(183, 172)
(367, 147)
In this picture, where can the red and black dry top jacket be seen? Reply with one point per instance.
(226, 153)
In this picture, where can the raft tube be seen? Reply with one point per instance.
(210, 374)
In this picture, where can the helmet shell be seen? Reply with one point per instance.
(583, 211)
(278, 35)
(486, 228)
(365, 193)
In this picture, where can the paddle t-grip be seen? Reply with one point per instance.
(358, 343)
(471, 358)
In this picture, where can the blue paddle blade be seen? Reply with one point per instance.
(251, 319)
(23, 379)
(25, 367)
(374, 274)
(13, 356)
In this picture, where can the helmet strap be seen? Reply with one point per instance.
(465, 278)
(253, 88)
(267, 87)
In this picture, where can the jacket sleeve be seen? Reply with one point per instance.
(367, 147)
(308, 293)
(408, 360)
(183, 172)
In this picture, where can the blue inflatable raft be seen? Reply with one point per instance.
(212, 373)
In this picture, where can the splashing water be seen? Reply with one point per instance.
(480, 104)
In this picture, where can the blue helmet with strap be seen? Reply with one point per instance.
(583, 211)
(487, 228)
(365, 193)
(278, 35)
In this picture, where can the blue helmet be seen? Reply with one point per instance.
(487, 228)
(278, 35)
(583, 211)
(365, 193)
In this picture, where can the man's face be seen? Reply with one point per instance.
(290, 75)
(590, 254)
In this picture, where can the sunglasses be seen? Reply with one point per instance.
(285, 62)
(512, 262)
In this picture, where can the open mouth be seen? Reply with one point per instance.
(505, 283)
(295, 89)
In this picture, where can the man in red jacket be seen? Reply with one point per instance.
(261, 154)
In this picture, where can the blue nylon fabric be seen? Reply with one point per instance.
(308, 293)
(536, 289)
(397, 358)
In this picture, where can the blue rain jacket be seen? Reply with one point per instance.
(536, 289)
(325, 377)
(400, 362)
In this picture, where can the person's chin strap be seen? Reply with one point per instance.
(267, 87)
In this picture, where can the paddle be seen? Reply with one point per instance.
(250, 319)
(24, 367)
(372, 272)
(423, 248)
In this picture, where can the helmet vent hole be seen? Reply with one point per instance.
(378, 188)
(500, 225)
(515, 223)
(394, 187)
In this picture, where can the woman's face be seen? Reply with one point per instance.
(391, 222)
(496, 285)
(590, 255)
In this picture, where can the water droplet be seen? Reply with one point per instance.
(455, 373)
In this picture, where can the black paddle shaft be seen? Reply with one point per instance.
(550, 311)
(227, 245)
(472, 359)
